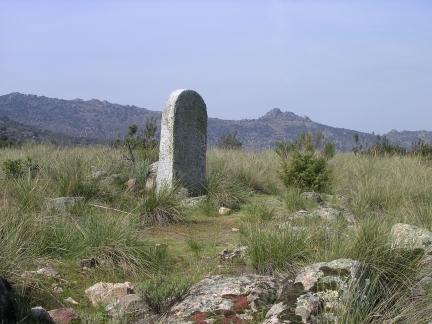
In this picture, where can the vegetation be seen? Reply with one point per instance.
(112, 223)
(229, 141)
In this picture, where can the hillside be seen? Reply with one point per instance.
(104, 121)
(12, 132)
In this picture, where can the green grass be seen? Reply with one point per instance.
(112, 225)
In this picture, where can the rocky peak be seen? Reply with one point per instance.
(276, 113)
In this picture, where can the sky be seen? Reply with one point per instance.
(363, 64)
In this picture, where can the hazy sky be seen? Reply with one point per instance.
(365, 65)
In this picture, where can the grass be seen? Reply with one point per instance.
(121, 227)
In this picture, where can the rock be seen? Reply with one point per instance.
(150, 184)
(411, 237)
(224, 211)
(41, 315)
(183, 143)
(312, 196)
(71, 301)
(317, 293)
(57, 289)
(422, 287)
(63, 315)
(105, 293)
(88, 263)
(7, 302)
(327, 213)
(47, 272)
(232, 255)
(130, 305)
(275, 315)
(224, 298)
(193, 201)
(153, 168)
(130, 183)
(61, 203)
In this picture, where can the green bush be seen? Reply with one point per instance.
(161, 292)
(329, 151)
(17, 168)
(306, 171)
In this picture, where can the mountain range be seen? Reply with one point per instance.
(88, 121)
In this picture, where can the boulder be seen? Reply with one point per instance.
(411, 237)
(227, 299)
(317, 293)
(104, 293)
(41, 315)
(224, 211)
(327, 213)
(63, 315)
(130, 305)
(7, 304)
(229, 255)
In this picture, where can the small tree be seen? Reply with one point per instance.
(229, 141)
(329, 151)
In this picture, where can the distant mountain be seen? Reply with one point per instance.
(104, 121)
(12, 132)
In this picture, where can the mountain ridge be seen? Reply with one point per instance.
(101, 120)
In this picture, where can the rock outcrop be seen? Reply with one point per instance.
(227, 299)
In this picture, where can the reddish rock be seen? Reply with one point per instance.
(63, 315)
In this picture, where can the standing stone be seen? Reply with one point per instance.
(183, 145)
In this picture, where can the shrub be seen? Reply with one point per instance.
(161, 292)
(229, 141)
(14, 169)
(160, 208)
(329, 151)
(306, 171)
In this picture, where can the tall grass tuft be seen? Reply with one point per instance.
(160, 208)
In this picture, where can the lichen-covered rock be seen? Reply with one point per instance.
(318, 291)
(228, 255)
(327, 213)
(411, 237)
(129, 305)
(105, 293)
(224, 298)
